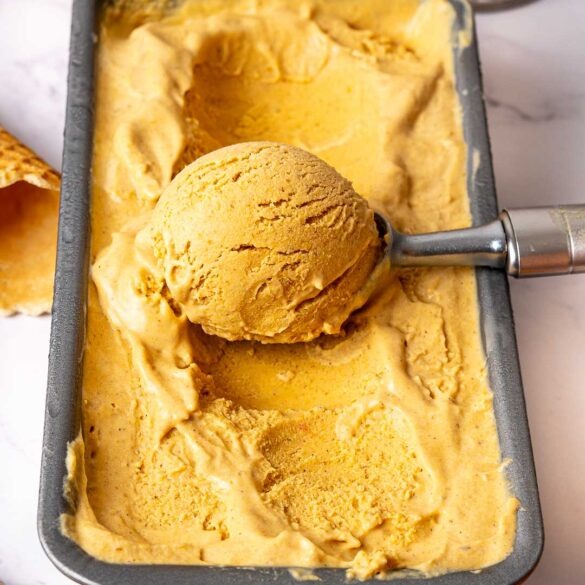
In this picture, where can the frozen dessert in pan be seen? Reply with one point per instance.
(236, 409)
(264, 241)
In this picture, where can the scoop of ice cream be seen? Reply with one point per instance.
(264, 241)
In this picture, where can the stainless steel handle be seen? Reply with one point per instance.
(478, 246)
(545, 241)
(538, 241)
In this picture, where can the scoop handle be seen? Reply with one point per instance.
(537, 241)
(544, 241)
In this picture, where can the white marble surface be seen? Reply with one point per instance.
(534, 70)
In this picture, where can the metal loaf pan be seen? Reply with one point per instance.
(62, 419)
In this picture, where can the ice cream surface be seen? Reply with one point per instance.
(264, 241)
(374, 450)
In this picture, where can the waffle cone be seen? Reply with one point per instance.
(29, 204)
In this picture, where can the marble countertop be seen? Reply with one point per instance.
(534, 73)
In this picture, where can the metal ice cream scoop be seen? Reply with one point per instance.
(537, 241)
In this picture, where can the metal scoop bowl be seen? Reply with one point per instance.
(537, 241)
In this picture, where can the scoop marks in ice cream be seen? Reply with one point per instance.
(264, 241)
(371, 451)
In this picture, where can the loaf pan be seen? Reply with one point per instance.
(62, 418)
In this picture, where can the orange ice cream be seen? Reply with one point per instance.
(371, 450)
(264, 241)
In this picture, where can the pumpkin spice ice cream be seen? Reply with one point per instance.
(264, 241)
(373, 449)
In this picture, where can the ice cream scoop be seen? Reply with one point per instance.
(264, 241)
(537, 241)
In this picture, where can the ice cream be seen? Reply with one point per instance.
(372, 451)
(29, 204)
(264, 241)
